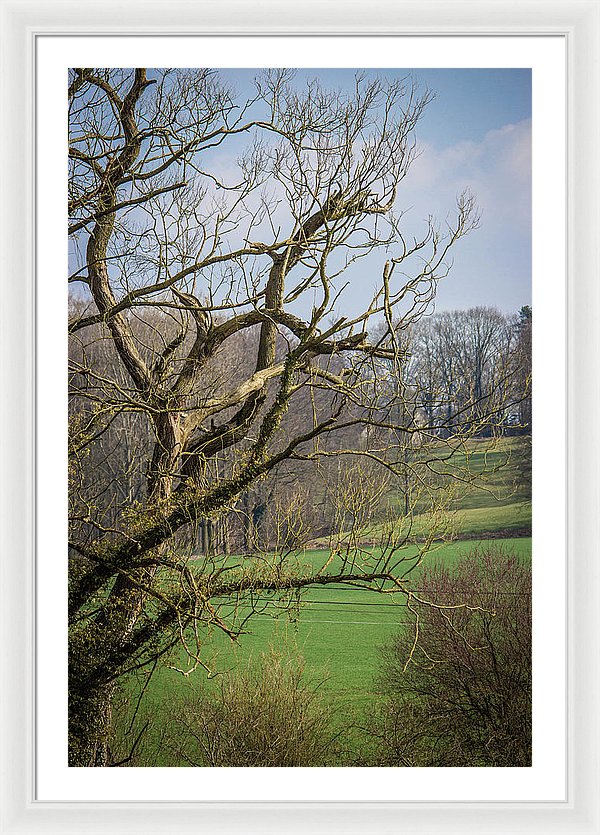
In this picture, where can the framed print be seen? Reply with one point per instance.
(327, 500)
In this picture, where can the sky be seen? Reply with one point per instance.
(476, 134)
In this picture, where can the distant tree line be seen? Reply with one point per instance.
(441, 382)
(457, 360)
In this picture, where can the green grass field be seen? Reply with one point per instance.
(497, 502)
(338, 629)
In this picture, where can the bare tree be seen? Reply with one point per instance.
(462, 359)
(266, 714)
(523, 350)
(462, 697)
(208, 312)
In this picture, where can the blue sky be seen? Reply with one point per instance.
(476, 133)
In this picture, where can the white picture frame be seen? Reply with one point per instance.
(22, 22)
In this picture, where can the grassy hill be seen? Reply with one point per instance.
(338, 629)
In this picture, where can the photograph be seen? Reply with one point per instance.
(300, 420)
(299, 488)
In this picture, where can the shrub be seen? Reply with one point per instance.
(462, 695)
(266, 714)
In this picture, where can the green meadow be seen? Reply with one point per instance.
(336, 629)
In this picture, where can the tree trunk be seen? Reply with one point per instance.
(90, 718)
(246, 522)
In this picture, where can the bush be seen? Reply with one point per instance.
(462, 695)
(263, 715)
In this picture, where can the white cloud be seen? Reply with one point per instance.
(492, 265)
(497, 170)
